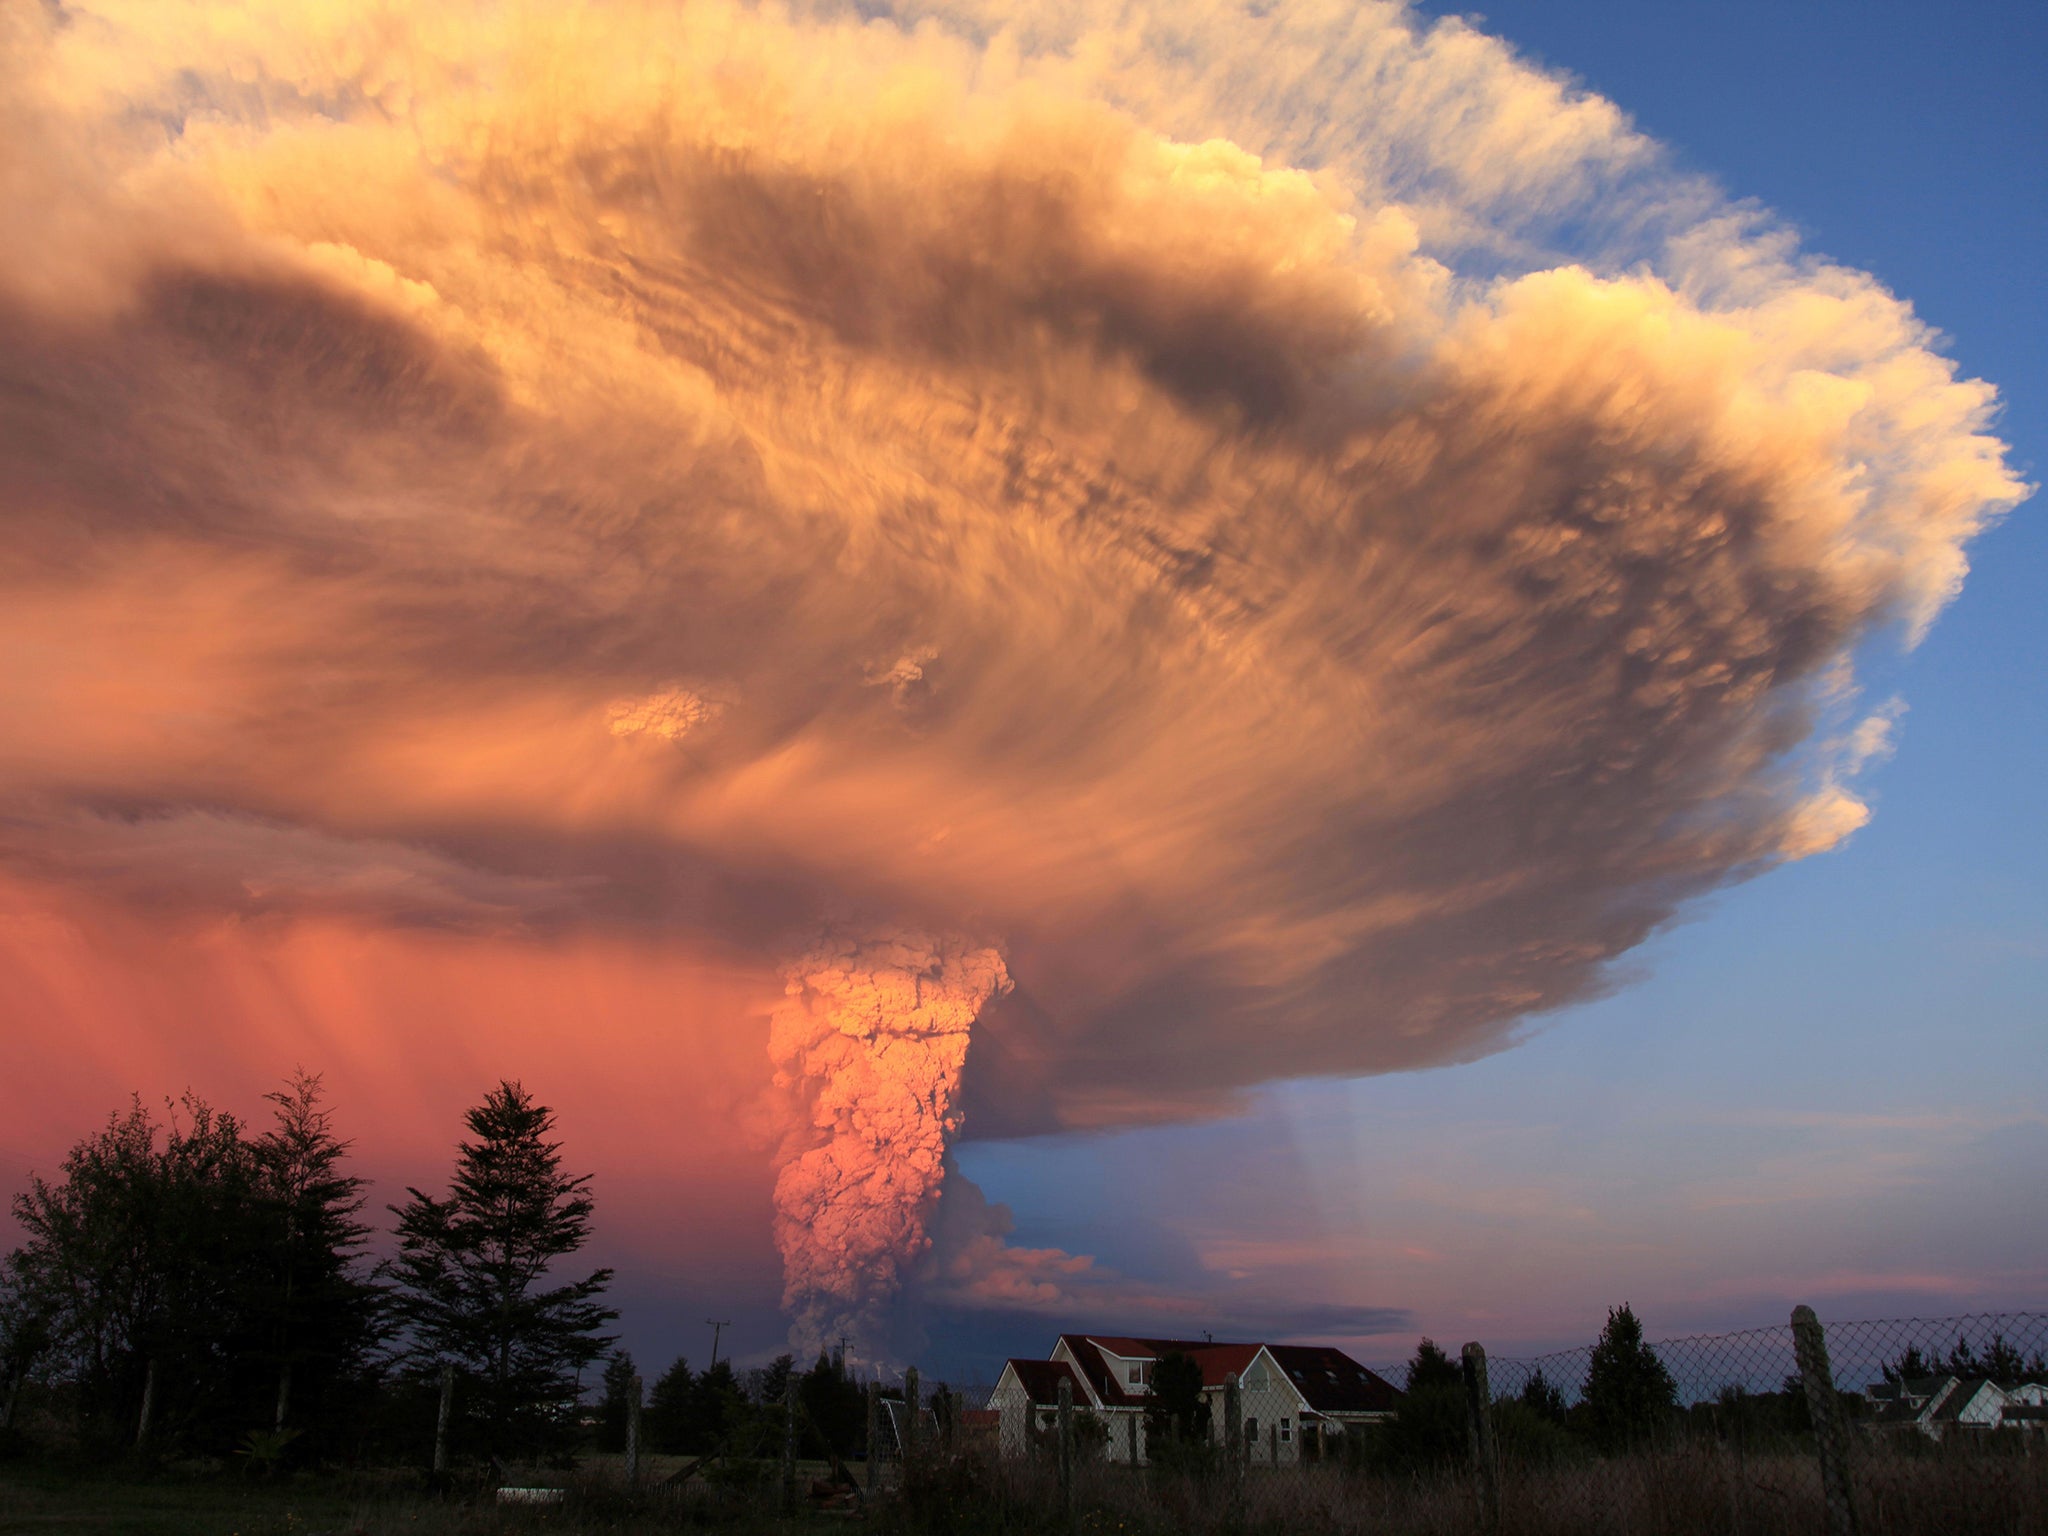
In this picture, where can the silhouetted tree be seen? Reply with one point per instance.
(1542, 1396)
(471, 1270)
(720, 1415)
(1630, 1396)
(2002, 1361)
(1176, 1409)
(834, 1406)
(24, 1340)
(320, 1314)
(772, 1381)
(1910, 1364)
(614, 1405)
(1429, 1427)
(671, 1409)
(141, 1265)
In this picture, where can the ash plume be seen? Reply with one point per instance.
(1308, 566)
(868, 1043)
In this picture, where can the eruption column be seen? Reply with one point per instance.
(869, 1042)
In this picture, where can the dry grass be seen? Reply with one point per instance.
(1689, 1492)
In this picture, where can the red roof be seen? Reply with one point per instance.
(1041, 1380)
(1330, 1380)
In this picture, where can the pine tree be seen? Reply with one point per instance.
(670, 1408)
(322, 1316)
(773, 1380)
(834, 1407)
(1429, 1429)
(1541, 1396)
(719, 1412)
(1630, 1396)
(471, 1270)
(1913, 1363)
(614, 1405)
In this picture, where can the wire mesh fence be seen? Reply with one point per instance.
(1888, 1426)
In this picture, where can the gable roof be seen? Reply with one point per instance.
(1041, 1380)
(1329, 1380)
(1333, 1382)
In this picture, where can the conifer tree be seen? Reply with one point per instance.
(671, 1408)
(1630, 1396)
(1429, 1429)
(472, 1272)
(615, 1404)
(321, 1315)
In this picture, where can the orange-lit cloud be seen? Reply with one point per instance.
(634, 480)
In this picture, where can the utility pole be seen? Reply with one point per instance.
(717, 1326)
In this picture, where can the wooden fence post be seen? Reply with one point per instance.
(1830, 1433)
(633, 1431)
(874, 1430)
(1479, 1423)
(441, 1417)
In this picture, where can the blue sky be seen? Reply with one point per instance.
(1829, 1084)
(388, 817)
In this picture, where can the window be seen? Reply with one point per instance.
(1136, 1373)
(1287, 1431)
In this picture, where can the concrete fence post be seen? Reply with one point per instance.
(911, 1426)
(1066, 1447)
(1137, 1422)
(1830, 1432)
(874, 1431)
(441, 1417)
(1479, 1424)
(1234, 1449)
(633, 1431)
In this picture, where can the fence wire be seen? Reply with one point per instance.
(1934, 1424)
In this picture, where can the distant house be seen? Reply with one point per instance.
(1294, 1397)
(1937, 1405)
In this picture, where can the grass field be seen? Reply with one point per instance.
(1683, 1493)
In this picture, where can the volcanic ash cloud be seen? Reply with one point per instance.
(1154, 496)
(868, 1044)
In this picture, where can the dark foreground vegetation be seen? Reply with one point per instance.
(1699, 1490)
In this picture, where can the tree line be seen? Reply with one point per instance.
(716, 1412)
(199, 1286)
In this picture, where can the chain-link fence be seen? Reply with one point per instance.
(1880, 1428)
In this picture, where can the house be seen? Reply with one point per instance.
(1935, 1405)
(1293, 1397)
